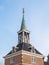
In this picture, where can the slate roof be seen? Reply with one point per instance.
(25, 47)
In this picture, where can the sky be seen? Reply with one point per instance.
(37, 22)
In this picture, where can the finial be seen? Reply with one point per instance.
(23, 11)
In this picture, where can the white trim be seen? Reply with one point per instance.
(33, 59)
(32, 54)
(13, 54)
(24, 52)
(23, 31)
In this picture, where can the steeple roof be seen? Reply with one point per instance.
(23, 25)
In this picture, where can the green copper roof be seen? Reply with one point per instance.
(23, 25)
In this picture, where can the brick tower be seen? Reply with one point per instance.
(24, 53)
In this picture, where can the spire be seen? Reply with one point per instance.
(23, 26)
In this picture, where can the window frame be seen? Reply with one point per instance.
(11, 60)
(33, 59)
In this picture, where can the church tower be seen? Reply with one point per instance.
(23, 34)
(24, 53)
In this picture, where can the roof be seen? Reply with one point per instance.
(25, 47)
(23, 25)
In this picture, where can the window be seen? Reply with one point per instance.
(33, 59)
(11, 60)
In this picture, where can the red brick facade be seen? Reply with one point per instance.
(28, 60)
(17, 59)
(24, 59)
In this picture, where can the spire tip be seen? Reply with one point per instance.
(23, 11)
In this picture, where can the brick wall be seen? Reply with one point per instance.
(24, 59)
(28, 60)
(17, 59)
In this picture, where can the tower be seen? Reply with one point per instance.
(23, 34)
(24, 53)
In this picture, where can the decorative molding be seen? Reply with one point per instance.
(32, 54)
(13, 54)
(23, 31)
(24, 52)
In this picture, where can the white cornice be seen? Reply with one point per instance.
(13, 54)
(23, 52)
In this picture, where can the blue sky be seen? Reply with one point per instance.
(37, 22)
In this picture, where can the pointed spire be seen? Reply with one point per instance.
(23, 26)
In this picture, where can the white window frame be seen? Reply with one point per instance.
(33, 59)
(11, 60)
